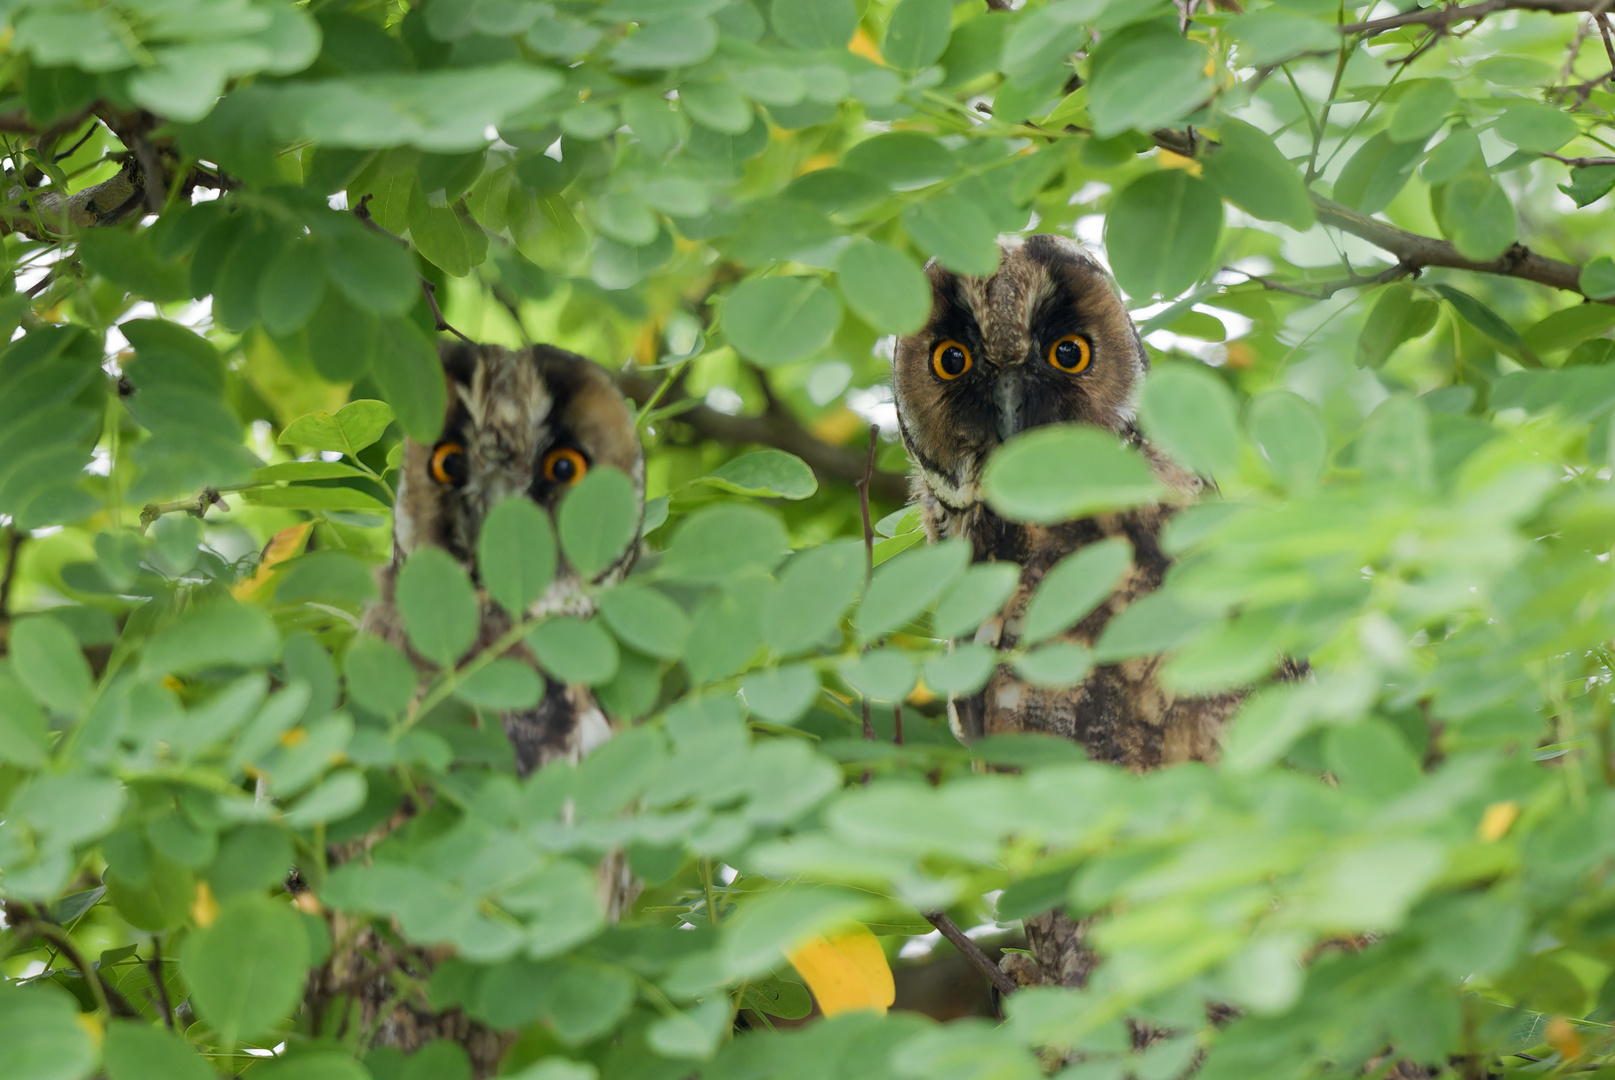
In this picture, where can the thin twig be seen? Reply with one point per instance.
(428, 290)
(107, 998)
(869, 558)
(972, 952)
(1329, 288)
(1582, 162)
(196, 506)
(13, 549)
(897, 722)
(155, 966)
(70, 151)
(156, 186)
(1445, 17)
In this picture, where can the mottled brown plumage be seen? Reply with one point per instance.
(508, 412)
(1046, 340)
(513, 417)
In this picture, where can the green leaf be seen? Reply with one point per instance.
(444, 237)
(598, 520)
(355, 426)
(516, 554)
(438, 605)
(881, 674)
(903, 588)
(957, 231)
(1589, 184)
(917, 33)
(1399, 315)
(1273, 35)
(1162, 233)
(1458, 153)
(1144, 77)
(380, 677)
(1531, 125)
(326, 577)
(1376, 173)
(694, 1034)
(883, 287)
(134, 1050)
(1289, 432)
(1570, 326)
(334, 798)
(246, 971)
(1191, 414)
(502, 684)
(781, 695)
(1155, 623)
(1250, 172)
(1395, 444)
(1054, 666)
(304, 470)
(1423, 108)
(374, 272)
(1476, 214)
(720, 542)
(292, 287)
(814, 591)
(40, 1034)
(575, 650)
(303, 497)
(341, 339)
(215, 633)
(902, 160)
(824, 24)
(1073, 587)
(771, 474)
(1055, 474)
(407, 369)
(775, 320)
(979, 594)
(679, 41)
(645, 619)
(24, 735)
(1480, 316)
(45, 657)
(963, 669)
(1598, 278)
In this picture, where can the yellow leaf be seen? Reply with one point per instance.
(863, 45)
(284, 545)
(91, 1023)
(839, 426)
(846, 970)
(308, 903)
(817, 162)
(1563, 1037)
(1495, 822)
(1169, 160)
(294, 738)
(204, 909)
(921, 694)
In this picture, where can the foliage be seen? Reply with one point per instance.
(201, 418)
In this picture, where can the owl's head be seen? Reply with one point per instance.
(1045, 340)
(531, 422)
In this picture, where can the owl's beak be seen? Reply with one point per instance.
(1009, 399)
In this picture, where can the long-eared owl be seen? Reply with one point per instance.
(1045, 340)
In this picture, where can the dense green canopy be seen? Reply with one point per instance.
(1369, 250)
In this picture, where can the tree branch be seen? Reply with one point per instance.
(950, 930)
(1444, 18)
(1413, 251)
(776, 428)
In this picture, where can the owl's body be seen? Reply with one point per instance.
(528, 424)
(1046, 340)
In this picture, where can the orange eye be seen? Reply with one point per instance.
(1071, 353)
(950, 359)
(564, 465)
(448, 463)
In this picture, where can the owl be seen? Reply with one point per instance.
(530, 423)
(1045, 340)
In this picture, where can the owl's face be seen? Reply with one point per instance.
(531, 423)
(1045, 340)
